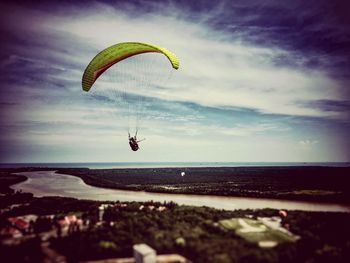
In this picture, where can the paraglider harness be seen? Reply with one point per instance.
(133, 142)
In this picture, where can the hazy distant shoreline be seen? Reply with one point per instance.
(135, 165)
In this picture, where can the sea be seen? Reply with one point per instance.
(116, 165)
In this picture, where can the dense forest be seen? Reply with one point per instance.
(322, 184)
(190, 231)
(194, 232)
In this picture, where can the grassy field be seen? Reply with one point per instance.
(255, 231)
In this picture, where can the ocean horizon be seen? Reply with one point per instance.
(111, 165)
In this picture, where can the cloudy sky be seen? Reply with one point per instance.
(263, 80)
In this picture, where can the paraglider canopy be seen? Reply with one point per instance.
(111, 55)
(130, 78)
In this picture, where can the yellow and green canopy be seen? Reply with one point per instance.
(112, 55)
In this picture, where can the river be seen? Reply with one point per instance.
(49, 183)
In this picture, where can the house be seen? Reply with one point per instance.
(161, 208)
(19, 223)
(10, 232)
(144, 254)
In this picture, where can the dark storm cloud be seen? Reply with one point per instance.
(317, 30)
(42, 48)
(330, 105)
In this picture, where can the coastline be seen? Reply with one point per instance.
(275, 183)
(136, 165)
(51, 184)
(9, 179)
(279, 183)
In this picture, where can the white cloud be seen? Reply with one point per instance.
(307, 143)
(216, 68)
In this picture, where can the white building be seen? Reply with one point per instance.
(144, 254)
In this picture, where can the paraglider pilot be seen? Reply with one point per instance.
(133, 142)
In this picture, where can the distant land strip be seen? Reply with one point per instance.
(311, 183)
